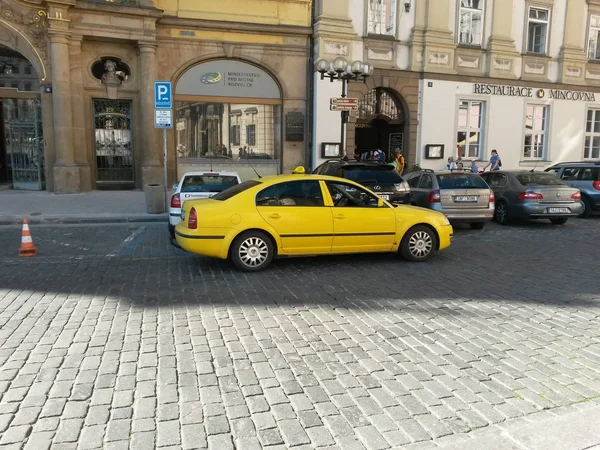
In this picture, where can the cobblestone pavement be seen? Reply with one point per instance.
(112, 338)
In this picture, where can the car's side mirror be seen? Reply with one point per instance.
(175, 186)
(380, 203)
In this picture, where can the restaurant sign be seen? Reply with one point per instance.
(528, 92)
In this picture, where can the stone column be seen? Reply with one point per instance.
(152, 166)
(501, 47)
(78, 109)
(66, 172)
(573, 58)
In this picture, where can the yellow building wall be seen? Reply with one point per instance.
(271, 12)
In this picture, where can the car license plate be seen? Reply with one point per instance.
(559, 210)
(466, 199)
(385, 196)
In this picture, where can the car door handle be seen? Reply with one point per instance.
(274, 216)
(340, 216)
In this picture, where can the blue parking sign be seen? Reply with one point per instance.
(162, 95)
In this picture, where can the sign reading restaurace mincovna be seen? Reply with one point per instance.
(344, 104)
(528, 92)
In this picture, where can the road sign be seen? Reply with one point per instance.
(342, 101)
(163, 118)
(343, 107)
(163, 98)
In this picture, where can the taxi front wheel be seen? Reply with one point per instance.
(419, 244)
(252, 251)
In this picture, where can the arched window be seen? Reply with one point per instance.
(380, 102)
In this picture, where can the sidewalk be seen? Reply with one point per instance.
(90, 207)
(575, 427)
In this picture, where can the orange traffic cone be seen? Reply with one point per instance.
(27, 247)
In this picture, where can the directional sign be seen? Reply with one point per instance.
(342, 101)
(163, 118)
(343, 107)
(163, 98)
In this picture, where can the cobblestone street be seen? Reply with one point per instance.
(112, 338)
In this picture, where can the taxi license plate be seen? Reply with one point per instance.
(385, 197)
(559, 210)
(466, 199)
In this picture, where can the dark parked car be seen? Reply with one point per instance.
(383, 179)
(584, 176)
(532, 195)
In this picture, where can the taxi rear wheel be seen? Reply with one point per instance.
(252, 251)
(418, 244)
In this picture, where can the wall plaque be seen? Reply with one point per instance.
(294, 126)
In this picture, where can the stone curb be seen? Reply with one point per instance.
(89, 219)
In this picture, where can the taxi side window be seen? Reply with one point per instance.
(292, 193)
(348, 195)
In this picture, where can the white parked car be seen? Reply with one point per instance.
(194, 185)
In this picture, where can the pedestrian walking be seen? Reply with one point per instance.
(451, 164)
(379, 156)
(399, 162)
(495, 161)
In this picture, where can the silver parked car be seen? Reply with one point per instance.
(463, 197)
(532, 195)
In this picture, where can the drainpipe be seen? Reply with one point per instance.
(310, 102)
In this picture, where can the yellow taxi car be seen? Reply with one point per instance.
(291, 215)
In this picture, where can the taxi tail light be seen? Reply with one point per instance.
(176, 201)
(576, 196)
(434, 196)
(530, 195)
(492, 196)
(193, 219)
(596, 185)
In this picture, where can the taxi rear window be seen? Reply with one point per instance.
(208, 183)
(235, 190)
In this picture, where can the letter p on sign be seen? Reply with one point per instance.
(162, 95)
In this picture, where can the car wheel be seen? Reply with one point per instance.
(501, 213)
(477, 225)
(560, 221)
(586, 208)
(172, 231)
(418, 244)
(252, 251)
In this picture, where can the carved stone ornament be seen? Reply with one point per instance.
(30, 19)
(111, 78)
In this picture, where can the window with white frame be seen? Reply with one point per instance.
(471, 119)
(470, 30)
(592, 135)
(537, 30)
(382, 17)
(594, 37)
(536, 132)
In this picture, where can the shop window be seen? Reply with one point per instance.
(471, 119)
(235, 135)
(536, 132)
(592, 135)
(471, 22)
(382, 17)
(251, 135)
(220, 130)
(537, 30)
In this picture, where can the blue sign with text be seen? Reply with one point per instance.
(163, 98)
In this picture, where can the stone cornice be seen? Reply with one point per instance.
(143, 11)
(340, 28)
(279, 30)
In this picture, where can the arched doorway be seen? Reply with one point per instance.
(228, 116)
(381, 123)
(21, 133)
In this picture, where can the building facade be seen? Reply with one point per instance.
(77, 89)
(462, 77)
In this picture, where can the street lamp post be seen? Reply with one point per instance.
(342, 70)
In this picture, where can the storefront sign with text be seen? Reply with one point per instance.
(527, 92)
